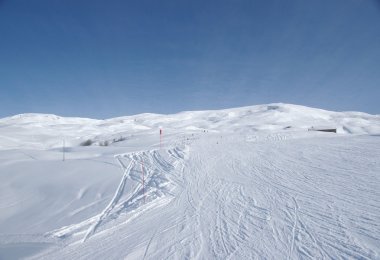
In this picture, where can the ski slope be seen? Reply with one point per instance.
(242, 183)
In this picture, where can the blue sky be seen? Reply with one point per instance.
(102, 59)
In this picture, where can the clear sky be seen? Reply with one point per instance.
(104, 58)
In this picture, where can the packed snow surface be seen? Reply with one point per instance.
(242, 183)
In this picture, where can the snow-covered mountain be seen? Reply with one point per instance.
(47, 131)
(239, 183)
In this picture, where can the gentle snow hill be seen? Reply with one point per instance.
(47, 131)
(240, 183)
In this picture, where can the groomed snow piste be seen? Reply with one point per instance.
(242, 183)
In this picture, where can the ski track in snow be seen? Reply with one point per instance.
(156, 184)
(294, 228)
(114, 200)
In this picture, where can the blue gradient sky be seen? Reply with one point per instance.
(103, 59)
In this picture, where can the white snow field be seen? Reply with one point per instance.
(242, 183)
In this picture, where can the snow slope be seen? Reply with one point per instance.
(242, 183)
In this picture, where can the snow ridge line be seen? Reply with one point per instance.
(114, 200)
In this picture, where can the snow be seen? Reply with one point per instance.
(241, 183)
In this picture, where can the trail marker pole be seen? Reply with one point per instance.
(160, 138)
(143, 179)
(63, 150)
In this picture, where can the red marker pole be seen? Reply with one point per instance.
(143, 179)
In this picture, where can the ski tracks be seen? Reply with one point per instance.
(294, 228)
(157, 166)
(160, 179)
(114, 200)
